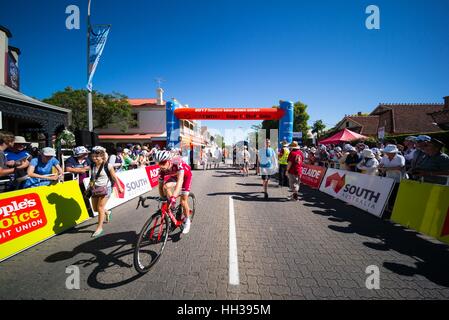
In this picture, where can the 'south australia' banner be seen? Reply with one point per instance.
(369, 193)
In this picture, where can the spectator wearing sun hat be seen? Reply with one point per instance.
(392, 164)
(369, 163)
(344, 155)
(352, 159)
(283, 162)
(311, 156)
(40, 171)
(419, 155)
(79, 163)
(294, 169)
(435, 166)
(21, 157)
(409, 151)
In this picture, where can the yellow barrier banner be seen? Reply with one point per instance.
(423, 207)
(30, 216)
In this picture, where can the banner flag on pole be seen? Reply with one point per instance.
(97, 41)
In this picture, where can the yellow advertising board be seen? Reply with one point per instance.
(423, 207)
(30, 216)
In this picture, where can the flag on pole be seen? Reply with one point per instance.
(97, 41)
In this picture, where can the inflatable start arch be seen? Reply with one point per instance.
(175, 113)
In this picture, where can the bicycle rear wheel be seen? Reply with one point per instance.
(151, 242)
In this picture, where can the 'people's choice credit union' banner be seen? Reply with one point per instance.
(369, 193)
(30, 216)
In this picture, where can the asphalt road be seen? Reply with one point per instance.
(317, 248)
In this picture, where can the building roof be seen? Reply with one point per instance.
(144, 102)
(9, 93)
(369, 124)
(5, 30)
(411, 118)
(441, 117)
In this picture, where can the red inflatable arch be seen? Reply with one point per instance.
(229, 114)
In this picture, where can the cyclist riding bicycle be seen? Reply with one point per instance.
(175, 174)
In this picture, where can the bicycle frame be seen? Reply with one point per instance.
(166, 210)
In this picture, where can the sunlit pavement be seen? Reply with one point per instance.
(317, 248)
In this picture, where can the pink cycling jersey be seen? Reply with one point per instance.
(171, 175)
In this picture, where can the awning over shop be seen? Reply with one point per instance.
(18, 108)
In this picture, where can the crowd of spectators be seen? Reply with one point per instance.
(419, 158)
(22, 166)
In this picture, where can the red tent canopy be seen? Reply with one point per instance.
(344, 135)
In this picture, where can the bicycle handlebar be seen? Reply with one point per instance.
(143, 199)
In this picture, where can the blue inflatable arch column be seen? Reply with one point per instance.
(172, 125)
(286, 123)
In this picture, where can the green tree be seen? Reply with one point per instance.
(318, 128)
(108, 109)
(219, 139)
(300, 119)
(268, 124)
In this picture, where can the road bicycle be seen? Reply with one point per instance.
(154, 235)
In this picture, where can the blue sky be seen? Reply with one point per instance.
(242, 53)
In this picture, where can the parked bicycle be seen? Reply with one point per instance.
(154, 235)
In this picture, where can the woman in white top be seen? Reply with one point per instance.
(392, 163)
(102, 179)
(369, 163)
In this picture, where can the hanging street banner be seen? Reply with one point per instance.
(369, 193)
(97, 40)
(12, 72)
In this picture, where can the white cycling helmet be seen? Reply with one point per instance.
(160, 156)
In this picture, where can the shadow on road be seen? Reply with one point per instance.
(119, 261)
(248, 196)
(432, 258)
(256, 185)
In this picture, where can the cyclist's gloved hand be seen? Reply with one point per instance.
(172, 201)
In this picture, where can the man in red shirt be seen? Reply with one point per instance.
(294, 169)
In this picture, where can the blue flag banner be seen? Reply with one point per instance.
(97, 41)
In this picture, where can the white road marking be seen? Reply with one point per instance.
(233, 256)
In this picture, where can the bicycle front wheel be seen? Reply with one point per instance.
(151, 242)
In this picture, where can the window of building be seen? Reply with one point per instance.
(135, 117)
